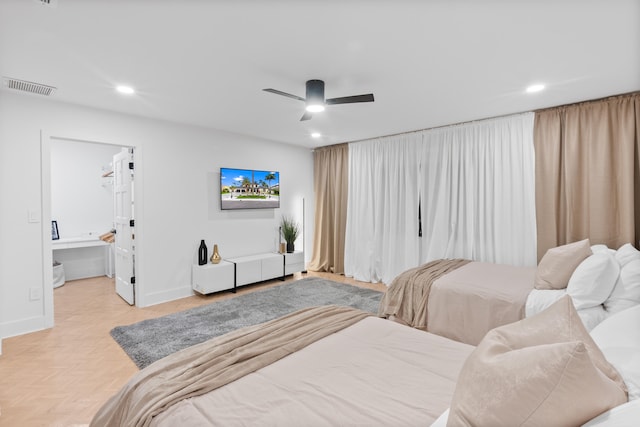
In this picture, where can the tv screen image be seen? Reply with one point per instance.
(249, 189)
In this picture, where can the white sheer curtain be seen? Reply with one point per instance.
(382, 211)
(477, 189)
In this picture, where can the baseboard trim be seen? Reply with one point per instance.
(23, 326)
(166, 296)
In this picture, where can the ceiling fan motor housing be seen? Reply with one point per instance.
(315, 92)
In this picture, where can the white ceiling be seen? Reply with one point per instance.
(428, 63)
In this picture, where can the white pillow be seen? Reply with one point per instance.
(618, 337)
(539, 300)
(602, 248)
(626, 292)
(442, 419)
(593, 280)
(626, 415)
(593, 316)
(627, 253)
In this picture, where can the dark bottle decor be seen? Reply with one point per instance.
(202, 253)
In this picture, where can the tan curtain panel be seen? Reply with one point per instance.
(330, 176)
(587, 173)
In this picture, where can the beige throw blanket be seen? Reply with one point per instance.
(219, 361)
(408, 296)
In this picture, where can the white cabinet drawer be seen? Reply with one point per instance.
(248, 271)
(210, 278)
(294, 258)
(272, 267)
(293, 262)
(293, 268)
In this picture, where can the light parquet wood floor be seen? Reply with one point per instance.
(61, 376)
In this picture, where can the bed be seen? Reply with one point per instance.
(328, 366)
(463, 299)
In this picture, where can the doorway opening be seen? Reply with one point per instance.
(88, 192)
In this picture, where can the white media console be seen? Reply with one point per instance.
(233, 272)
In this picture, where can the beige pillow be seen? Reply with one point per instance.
(558, 264)
(541, 371)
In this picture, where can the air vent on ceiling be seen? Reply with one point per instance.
(50, 3)
(30, 87)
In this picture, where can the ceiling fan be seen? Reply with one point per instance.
(315, 101)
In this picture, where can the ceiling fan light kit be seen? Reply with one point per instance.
(314, 108)
(314, 98)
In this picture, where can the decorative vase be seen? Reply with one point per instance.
(202, 253)
(283, 248)
(290, 247)
(215, 257)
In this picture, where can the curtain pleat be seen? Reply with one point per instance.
(474, 184)
(477, 191)
(382, 218)
(360, 251)
(636, 174)
(330, 170)
(587, 175)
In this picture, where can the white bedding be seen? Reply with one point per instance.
(593, 316)
(540, 299)
(607, 282)
(627, 415)
(590, 286)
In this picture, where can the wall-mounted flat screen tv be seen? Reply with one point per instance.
(249, 189)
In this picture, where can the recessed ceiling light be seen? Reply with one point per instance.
(127, 90)
(316, 135)
(535, 88)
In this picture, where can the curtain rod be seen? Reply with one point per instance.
(422, 130)
(590, 101)
(486, 118)
(442, 126)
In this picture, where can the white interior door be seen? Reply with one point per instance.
(123, 224)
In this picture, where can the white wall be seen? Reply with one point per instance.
(82, 203)
(177, 175)
(81, 199)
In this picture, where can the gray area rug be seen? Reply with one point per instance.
(152, 339)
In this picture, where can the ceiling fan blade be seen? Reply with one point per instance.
(288, 95)
(350, 99)
(306, 116)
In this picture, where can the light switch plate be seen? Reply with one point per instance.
(35, 294)
(33, 216)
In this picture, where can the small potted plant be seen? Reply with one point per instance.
(290, 232)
